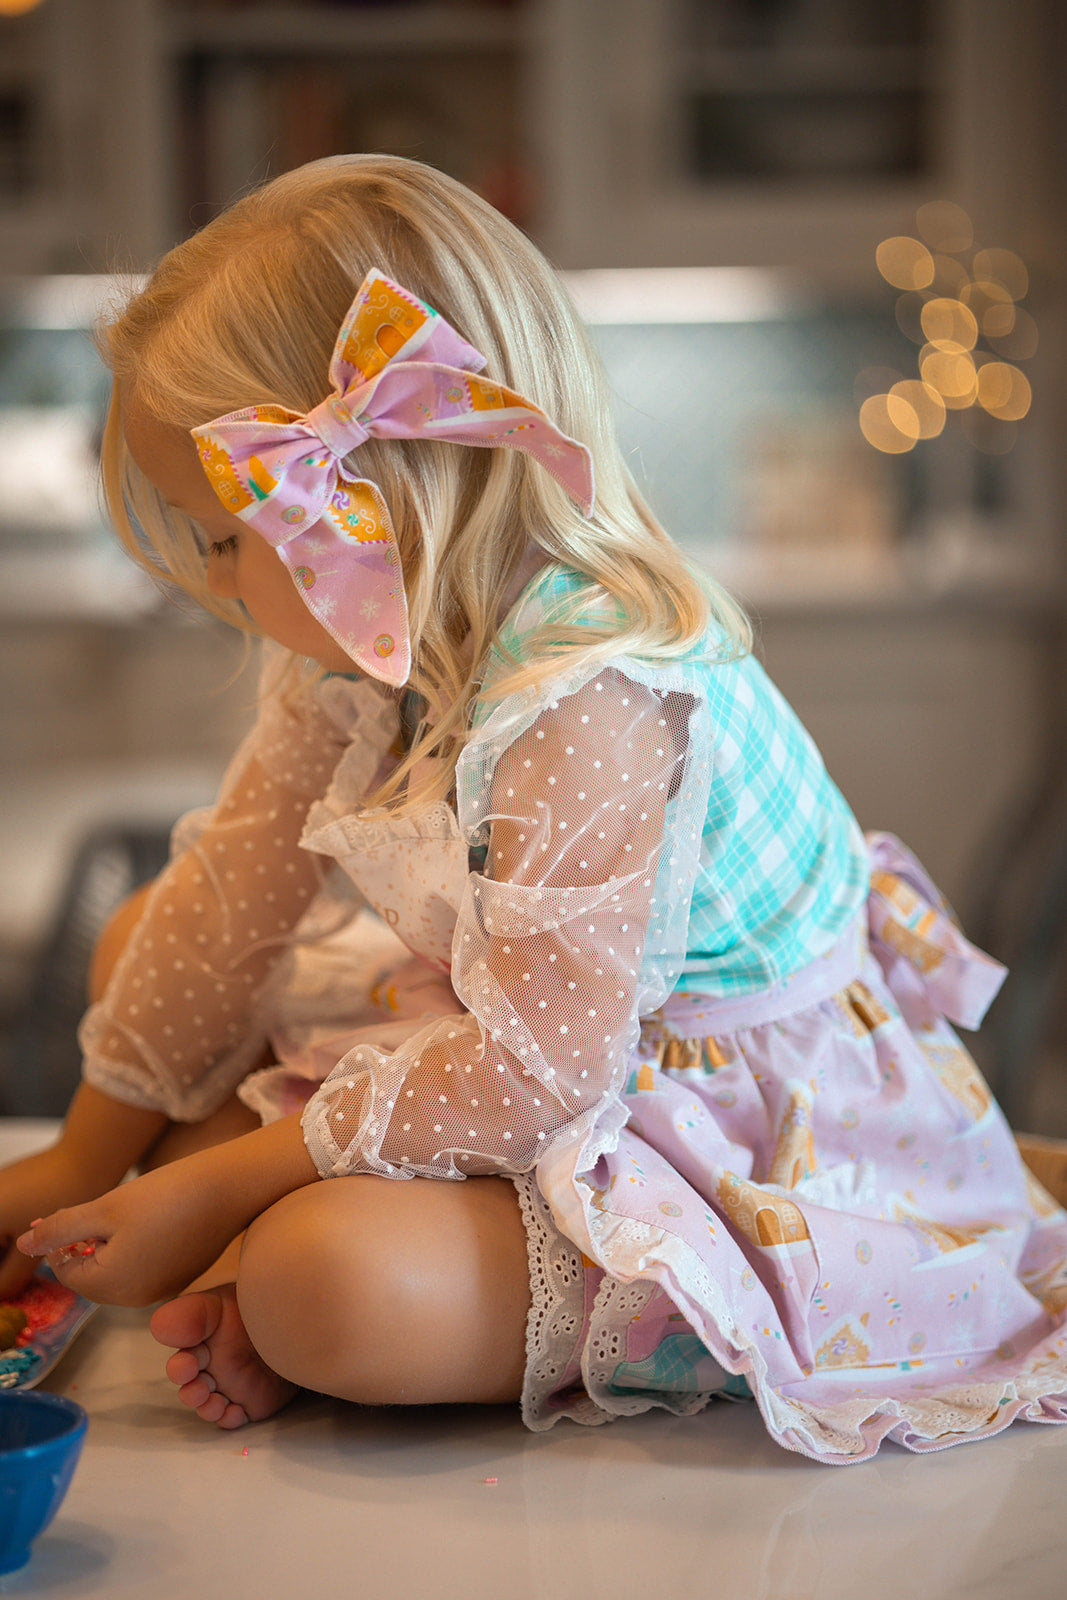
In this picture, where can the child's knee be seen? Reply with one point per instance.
(319, 1299)
(386, 1292)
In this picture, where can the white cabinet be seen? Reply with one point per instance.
(637, 132)
(169, 110)
(797, 132)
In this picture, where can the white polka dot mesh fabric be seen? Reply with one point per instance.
(177, 1028)
(563, 939)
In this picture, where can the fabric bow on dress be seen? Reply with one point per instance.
(399, 372)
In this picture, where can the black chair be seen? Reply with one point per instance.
(40, 1062)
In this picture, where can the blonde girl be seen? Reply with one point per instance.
(528, 1020)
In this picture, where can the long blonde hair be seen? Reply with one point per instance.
(246, 312)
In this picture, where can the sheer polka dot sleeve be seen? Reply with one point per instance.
(557, 948)
(177, 1028)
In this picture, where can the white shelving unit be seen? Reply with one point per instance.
(186, 105)
(831, 129)
(125, 122)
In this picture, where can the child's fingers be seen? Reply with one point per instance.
(70, 1234)
(79, 1273)
(68, 1241)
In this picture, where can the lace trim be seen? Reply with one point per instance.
(557, 1313)
(617, 1305)
(561, 1353)
(371, 830)
(851, 1430)
(932, 1416)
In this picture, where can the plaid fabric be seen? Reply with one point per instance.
(783, 866)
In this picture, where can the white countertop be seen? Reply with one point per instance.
(333, 1499)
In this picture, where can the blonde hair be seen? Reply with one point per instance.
(246, 312)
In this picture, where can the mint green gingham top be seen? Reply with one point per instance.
(781, 866)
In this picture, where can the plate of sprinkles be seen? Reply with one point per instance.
(36, 1326)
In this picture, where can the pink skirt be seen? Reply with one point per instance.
(815, 1201)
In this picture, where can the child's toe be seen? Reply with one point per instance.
(187, 1321)
(234, 1416)
(213, 1408)
(183, 1366)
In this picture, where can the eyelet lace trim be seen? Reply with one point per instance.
(557, 1312)
(555, 1323)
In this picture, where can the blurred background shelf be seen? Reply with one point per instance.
(275, 29)
(631, 132)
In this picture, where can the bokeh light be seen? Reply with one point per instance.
(952, 374)
(905, 263)
(961, 305)
(889, 423)
(988, 299)
(945, 226)
(1003, 391)
(950, 276)
(1003, 267)
(998, 321)
(950, 325)
(926, 404)
(1019, 343)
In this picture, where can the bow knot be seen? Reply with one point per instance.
(339, 427)
(399, 371)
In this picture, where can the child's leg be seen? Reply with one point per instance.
(377, 1291)
(112, 940)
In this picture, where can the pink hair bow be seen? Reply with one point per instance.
(399, 372)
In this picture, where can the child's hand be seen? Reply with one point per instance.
(150, 1238)
(36, 1184)
(137, 1244)
(100, 1140)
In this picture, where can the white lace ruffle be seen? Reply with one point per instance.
(557, 1312)
(555, 1323)
(350, 834)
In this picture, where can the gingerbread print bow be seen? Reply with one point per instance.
(399, 371)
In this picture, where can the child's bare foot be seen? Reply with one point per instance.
(218, 1372)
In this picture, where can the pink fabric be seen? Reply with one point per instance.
(399, 371)
(831, 1199)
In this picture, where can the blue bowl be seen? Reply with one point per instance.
(41, 1438)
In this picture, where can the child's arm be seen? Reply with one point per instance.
(178, 1027)
(175, 1030)
(550, 948)
(153, 1236)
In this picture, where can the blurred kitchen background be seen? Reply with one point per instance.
(821, 243)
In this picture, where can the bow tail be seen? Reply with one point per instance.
(347, 569)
